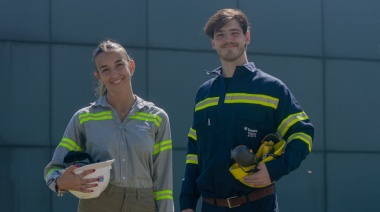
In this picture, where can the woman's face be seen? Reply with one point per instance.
(114, 71)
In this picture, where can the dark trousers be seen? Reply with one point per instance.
(266, 204)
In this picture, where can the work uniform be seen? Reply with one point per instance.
(141, 146)
(240, 111)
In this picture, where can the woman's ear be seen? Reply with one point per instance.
(96, 75)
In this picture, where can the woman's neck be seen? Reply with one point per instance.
(121, 102)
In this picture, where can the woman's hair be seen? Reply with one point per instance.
(220, 18)
(108, 46)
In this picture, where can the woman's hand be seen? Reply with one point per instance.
(71, 181)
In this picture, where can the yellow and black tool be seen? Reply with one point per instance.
(272, 147)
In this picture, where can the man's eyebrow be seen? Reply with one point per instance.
(230, 30)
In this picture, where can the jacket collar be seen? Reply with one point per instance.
(218, 71)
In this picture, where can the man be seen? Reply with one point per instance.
(240, 106)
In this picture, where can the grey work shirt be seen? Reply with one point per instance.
(141, 146)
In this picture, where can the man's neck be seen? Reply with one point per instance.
(229, 67)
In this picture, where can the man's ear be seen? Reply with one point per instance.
(212, 44)
(132, 66)
(247, 38)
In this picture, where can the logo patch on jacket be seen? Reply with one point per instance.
(142, 128)
(251, 133)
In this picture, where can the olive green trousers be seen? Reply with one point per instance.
(117, 199)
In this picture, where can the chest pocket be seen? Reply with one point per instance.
(253, 124)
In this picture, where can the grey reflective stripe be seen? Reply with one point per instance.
(192, 158)
(304, 137)
(209, 102)
(290, 121)
(247, 98)
(192, 134)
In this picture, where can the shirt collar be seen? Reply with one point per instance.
(139, 103)
(250, 66)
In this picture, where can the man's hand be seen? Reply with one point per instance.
(260, 178)
(188, 210)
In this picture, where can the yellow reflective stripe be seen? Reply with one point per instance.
(164, 194)
(191, 158)
(69, 144)
(192, 134)
(247, 98)
(209, 102)
(147, 117)
(52, 170)
(94, 116)
(290, 121)
(162, 146)
(302, 136)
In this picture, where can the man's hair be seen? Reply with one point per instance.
(220, 18)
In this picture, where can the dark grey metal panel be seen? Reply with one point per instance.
(304, 78)
(67, 203)
(174, 78)
(285, 27)
(303, 189)
(179, 24)
(352, 105)
(140, 78)
(91, 21)
(179, 160)
(24, 20)
(73, 84)
(352, 181)
(22, 183)
(352, 28)
(25, 107)
(5, 97)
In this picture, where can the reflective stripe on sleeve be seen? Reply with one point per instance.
(302, 136)
(69, 144)
(290, 121)
(52, 170)
(164, 194)
(192, 159)
(162, 146)
(192, 134)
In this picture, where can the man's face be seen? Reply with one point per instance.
(230, 42)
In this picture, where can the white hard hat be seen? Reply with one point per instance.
(102, 172)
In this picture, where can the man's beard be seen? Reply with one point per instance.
(231, 54)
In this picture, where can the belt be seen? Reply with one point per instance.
(236, 201)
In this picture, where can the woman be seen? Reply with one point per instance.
(121, 126)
